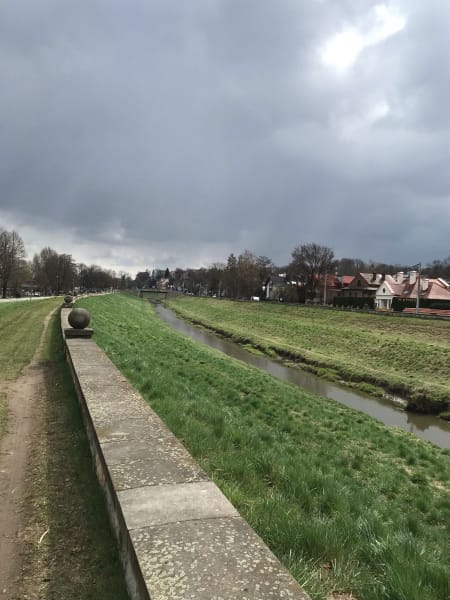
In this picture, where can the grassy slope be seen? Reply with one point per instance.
(347, 504)
(407, 356)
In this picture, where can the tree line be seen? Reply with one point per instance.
(241, 276)
(48, 271)
(248, 274)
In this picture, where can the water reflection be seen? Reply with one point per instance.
(427, 427)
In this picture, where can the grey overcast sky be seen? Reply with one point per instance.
(151, 133)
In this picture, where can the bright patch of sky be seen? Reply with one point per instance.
(343, 49)
(349, 126)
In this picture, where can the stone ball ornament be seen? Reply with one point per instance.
(68, 299)
(79, 318)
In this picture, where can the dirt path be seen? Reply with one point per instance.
(23, 399)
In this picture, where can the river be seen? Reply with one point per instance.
(427, 427)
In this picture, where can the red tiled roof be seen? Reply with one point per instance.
(434, 290)
(347, 279)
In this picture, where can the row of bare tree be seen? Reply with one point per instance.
(48, 271)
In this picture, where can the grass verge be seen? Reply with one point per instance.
(77, 558)
(21, 326)
(350, 506)
(3, 414)
(405, 356)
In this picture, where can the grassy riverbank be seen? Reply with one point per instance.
(350, 506)
(405, 356)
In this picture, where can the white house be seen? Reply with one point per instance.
(405, 286)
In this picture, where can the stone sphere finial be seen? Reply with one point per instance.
(68, 299)
(79, 318)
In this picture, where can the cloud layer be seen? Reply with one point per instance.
(164, 133)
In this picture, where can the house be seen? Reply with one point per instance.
(406, 287)
(363, 285)
(346, 280)
(333, 285)
(275, 288)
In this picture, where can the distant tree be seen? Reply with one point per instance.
(214, 278)
(178, 278)
(12, 257)
(438, 268)
(195, 281)
(125, 282)
(21, 275)
(248, 275)
(142, 279)
(350, 266)
(265, 267)
(231, 277)
(66, 273)
(53, 272)
(94, 277)
(309, 263)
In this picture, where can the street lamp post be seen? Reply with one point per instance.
(325, 289)
(419, 265)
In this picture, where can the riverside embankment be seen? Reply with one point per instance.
(409, 358)
(427, 427)
(178, 535)
(351, 507)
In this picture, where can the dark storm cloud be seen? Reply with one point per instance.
(179, 132)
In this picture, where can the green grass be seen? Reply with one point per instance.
(405, 356)
(3, 414)
(21, 326)
(78, 557)
(347, 504)
(81, 552)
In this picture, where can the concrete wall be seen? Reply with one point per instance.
(178, 536)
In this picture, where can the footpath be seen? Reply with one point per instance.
(23, 397)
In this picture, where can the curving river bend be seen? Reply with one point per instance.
(426, 427)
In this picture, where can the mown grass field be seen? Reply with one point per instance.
(350, 506)
(405, 356)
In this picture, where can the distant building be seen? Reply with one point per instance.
(406, 286)
(362, 285)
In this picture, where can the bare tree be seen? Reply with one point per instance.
(309, 264)
(12, 257)
(214, 278)
(351, 266)
(54, 272)
(231, 277)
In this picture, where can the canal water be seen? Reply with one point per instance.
(427, 427)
